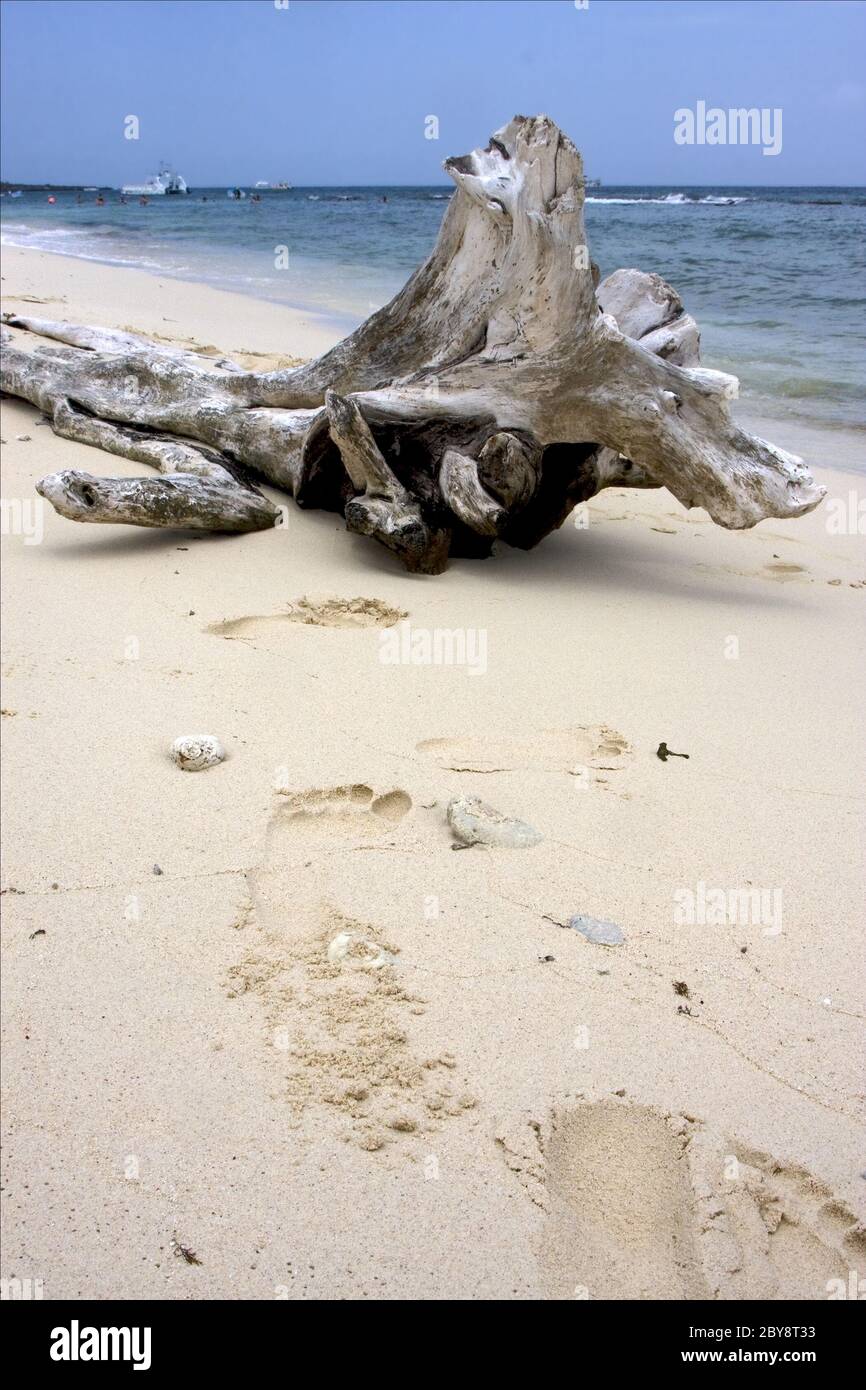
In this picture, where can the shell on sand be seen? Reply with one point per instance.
(195, 752)
(473, 822)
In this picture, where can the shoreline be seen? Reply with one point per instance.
(495, 1114)
(336, 321)
(46, 275)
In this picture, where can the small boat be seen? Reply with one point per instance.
(281, 186)
(236, 193)
(262, 183)
(167, 181)
(15, 193)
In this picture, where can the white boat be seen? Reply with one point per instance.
(166, 181)
(262, 183)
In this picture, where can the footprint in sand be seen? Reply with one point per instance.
(618, 1200)
(325, 813)
(642, 1204)
(552, 750)
(329, 989)
(798, 1240)
(782, 573)
(352, 613)
(777, 571)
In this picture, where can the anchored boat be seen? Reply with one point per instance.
(166, 181)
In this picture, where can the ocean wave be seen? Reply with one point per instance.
(24, 229)
(817, 388)
(83, 252)
(676, 200)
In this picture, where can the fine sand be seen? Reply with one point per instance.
(263, 1013)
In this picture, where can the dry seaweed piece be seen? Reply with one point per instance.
(183, 1252)
(664, 753)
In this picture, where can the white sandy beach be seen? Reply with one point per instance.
(503, 1110)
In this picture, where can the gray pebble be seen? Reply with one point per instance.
(473, 822)
(599, 933)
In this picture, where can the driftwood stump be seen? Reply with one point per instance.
(498, 389)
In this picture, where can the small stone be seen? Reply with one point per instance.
(157, 869)
(195, 752)
(473, 822)
(25, 438)
(598, 932)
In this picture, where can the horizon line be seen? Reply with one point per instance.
(37, 185)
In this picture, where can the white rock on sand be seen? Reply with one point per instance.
(196, 752)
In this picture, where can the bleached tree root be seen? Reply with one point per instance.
(500, 388)
(183, 500)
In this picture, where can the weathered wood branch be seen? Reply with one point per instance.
(498, 389)
(184, 500)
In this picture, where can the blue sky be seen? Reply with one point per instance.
(332, 92)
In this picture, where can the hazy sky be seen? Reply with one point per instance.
(327, 91)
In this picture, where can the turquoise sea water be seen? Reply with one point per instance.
(775, 277)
